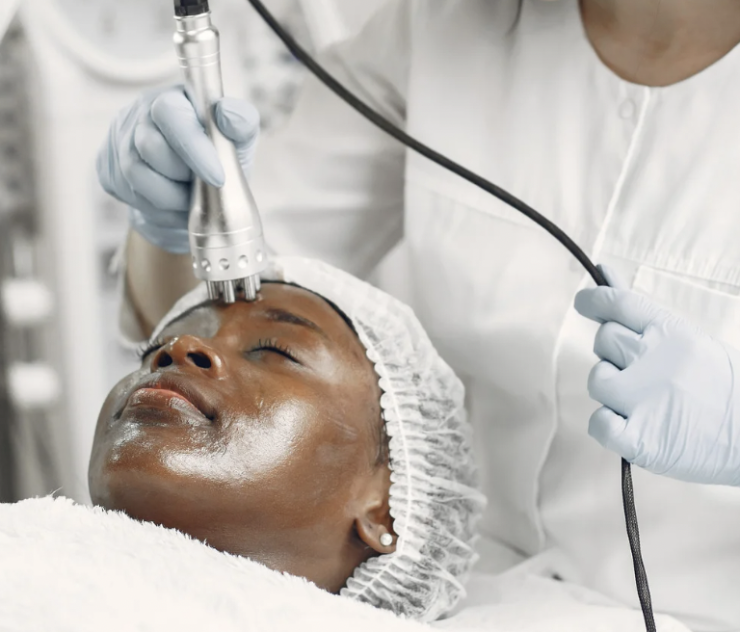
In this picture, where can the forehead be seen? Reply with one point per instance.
(276, 303)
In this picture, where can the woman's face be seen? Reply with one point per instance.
(254, 427)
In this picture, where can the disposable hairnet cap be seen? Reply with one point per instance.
(434, 500)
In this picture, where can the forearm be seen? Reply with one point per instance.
(155, 280)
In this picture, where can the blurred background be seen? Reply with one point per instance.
(66, 68)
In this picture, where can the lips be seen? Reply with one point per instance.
(178, 388)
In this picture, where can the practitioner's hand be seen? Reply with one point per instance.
(670, 393)
(153, 148)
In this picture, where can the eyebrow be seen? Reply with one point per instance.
(277, 315)
(274, 314)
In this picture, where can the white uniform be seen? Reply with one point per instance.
(644, 179)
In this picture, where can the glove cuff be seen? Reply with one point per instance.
(172, 239)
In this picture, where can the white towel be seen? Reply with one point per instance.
(68, 567)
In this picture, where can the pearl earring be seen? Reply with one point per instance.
(386, 539)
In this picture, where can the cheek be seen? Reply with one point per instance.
(259, 449)
(290, 455)
(294, 455)
(242, 447)
(134, 459)
(105, 428)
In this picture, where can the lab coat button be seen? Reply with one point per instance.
(627, 109)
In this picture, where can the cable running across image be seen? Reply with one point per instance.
(628, 499)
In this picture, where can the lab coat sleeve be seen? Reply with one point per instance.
(329, 184)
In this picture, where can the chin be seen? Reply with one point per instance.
(140, 499)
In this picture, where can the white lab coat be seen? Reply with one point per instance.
(644, 179)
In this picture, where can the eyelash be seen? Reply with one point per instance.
(273, 345)
(149, 347)
(262, 345)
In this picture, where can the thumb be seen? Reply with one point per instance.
(612, 278)
(238, 120)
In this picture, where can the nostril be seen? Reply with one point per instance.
(164, 359)
(201, 360)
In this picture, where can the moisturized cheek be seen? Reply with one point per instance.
(250, 449)
(200, 463)
(136, 445)
(127, 435)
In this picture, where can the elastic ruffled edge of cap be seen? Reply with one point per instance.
(410, 563)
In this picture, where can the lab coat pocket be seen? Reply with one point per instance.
(714, 311)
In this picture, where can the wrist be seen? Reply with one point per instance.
(155, 279)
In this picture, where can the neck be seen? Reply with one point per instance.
(658, 42)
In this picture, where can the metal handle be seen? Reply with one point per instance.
(226, 238)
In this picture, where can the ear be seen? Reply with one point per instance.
(373, 520)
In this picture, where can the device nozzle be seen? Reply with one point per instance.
(229, 291)
(190, 7)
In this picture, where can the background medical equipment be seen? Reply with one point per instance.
(630, 513)
(77, 59)
(29, 420)
(225, 229)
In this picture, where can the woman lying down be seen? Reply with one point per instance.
(315, 431)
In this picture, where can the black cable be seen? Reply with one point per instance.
(633, 535)
(630, 514)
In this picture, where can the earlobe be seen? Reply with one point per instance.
(374, 524)
(377, 534)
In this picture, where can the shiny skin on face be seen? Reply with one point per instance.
(253, 427)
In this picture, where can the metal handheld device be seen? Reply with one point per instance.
(226, 238)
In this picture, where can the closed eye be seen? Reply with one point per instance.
(274, 347)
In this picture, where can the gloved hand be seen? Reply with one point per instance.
(153, 148)
(670, 393)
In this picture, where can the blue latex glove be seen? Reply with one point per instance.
(670, 393)
(153, 148)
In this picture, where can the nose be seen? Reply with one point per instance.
(189, 351)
